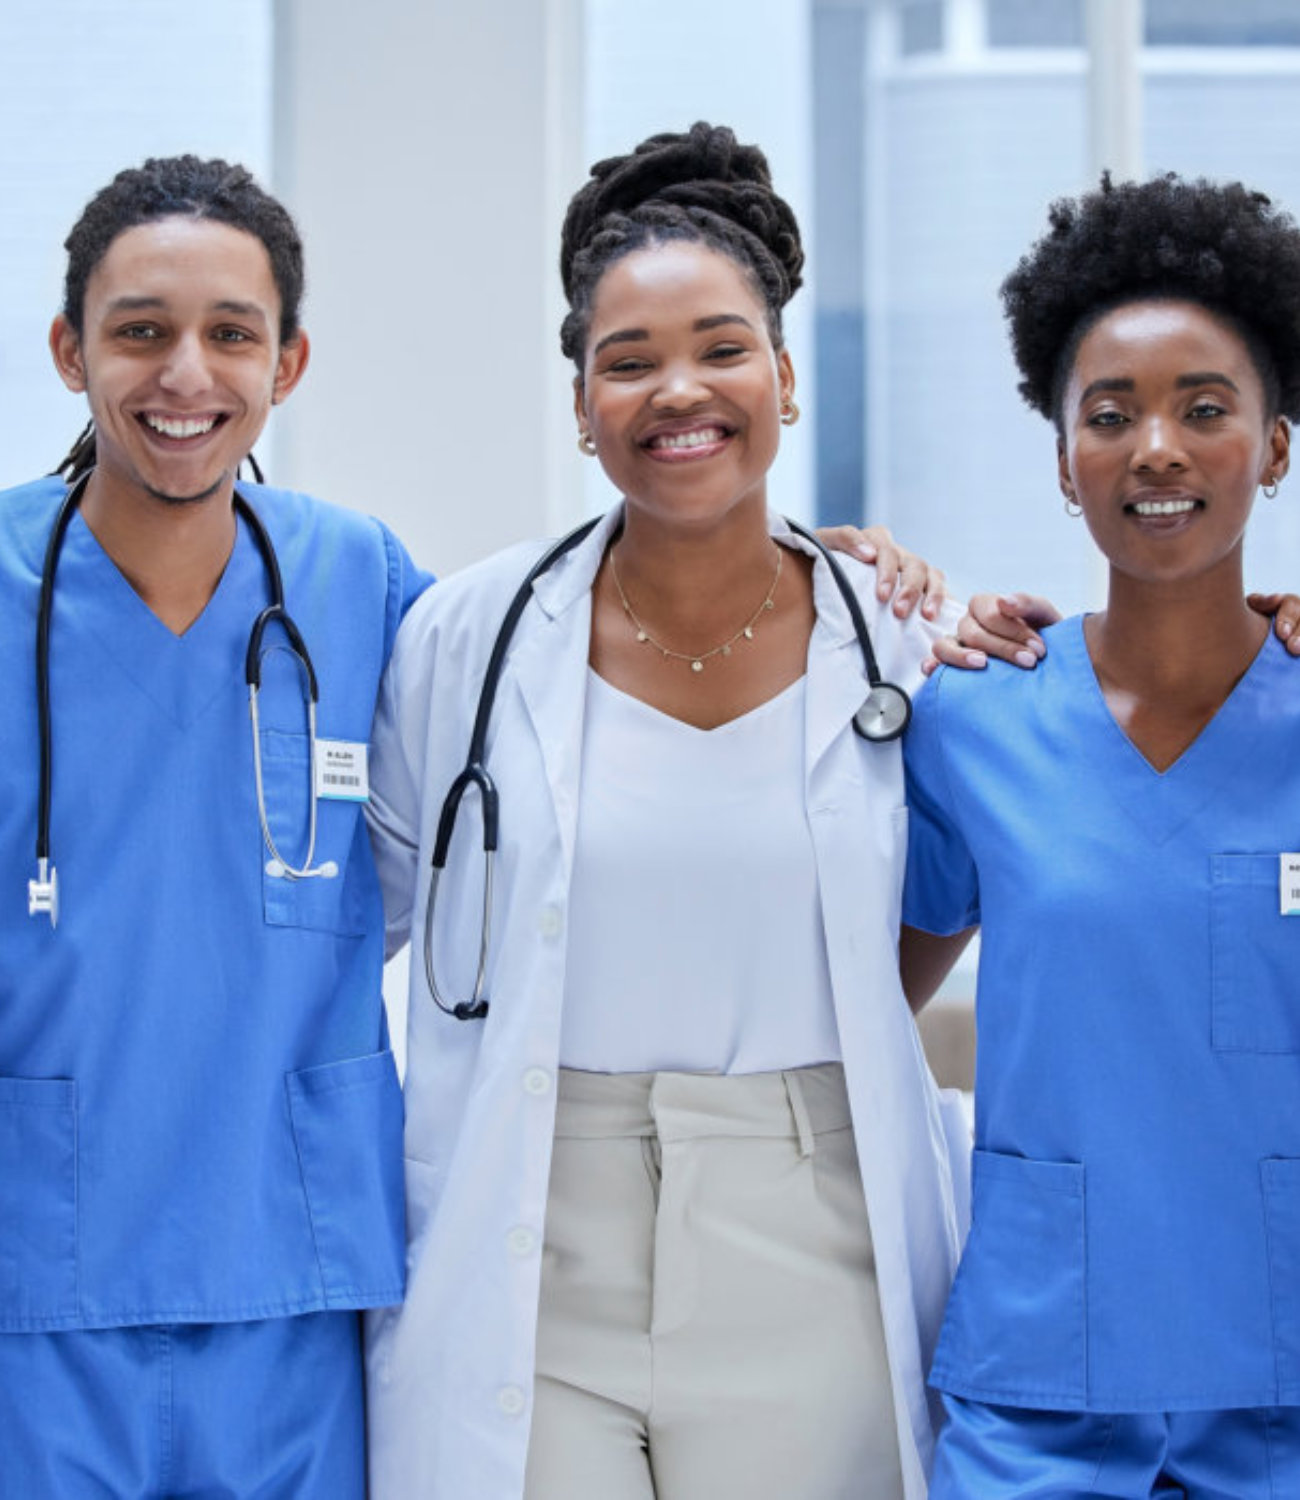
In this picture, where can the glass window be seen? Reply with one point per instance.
(1209, 23)
(1035, 23)
(921, 26)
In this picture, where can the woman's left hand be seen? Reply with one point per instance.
(1285, 612)
(900, 573)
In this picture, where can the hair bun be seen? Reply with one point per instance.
(704, 169)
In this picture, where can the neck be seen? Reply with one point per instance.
(172, 554)
(696, 580)
(1195, 634)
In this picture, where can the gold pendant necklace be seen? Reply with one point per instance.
(697, 658)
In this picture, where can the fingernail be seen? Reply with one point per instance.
(1026, 659)
(976, 659)
(1038, 649)
(1285, 629)
(929, 609)
(865, 551)
(903, 605)
(1016, 601)
(883, 590)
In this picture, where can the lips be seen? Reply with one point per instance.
(179, 428)
(1163, 505)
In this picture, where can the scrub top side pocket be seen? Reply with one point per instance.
(38, 1201)
(1016, 1327)
(323, 903)
(347, 1127)
(1254, 958)
(1280, 1183)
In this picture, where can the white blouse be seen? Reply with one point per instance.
(695, 923)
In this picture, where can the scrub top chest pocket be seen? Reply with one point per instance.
(327, 902)
(1255, 955)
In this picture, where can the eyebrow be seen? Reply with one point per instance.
(226, 305)
(1184, 382)
(701, 325)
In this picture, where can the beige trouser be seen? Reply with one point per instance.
(709, 1325)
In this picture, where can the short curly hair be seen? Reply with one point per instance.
(1216, 244)
(186, 187)
(700, 185)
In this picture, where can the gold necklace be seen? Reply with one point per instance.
(696, 658)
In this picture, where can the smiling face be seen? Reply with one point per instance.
(681, 387)
(180, 357)
(1166, 437)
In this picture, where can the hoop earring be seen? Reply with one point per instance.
(1072, 507)
(1270, 487)
(789, 412)
(587, 444)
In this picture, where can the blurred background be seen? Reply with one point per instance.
(428, 148)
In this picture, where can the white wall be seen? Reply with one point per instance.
(92, 86)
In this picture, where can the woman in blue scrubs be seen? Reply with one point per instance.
(1126, 1319)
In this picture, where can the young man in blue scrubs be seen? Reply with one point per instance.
(200, 1120)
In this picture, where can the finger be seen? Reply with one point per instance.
(950, 651)
(1285, 610)
(936, 592)
(853, 540)
(1031, 608)
(992, 621)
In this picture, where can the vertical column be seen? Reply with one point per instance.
(427, 151)
(1114, 31)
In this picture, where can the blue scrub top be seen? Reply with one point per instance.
(1135, 1243)
(199, 1116)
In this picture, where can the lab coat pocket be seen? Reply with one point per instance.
(38, 1201)
(347, 1127)
(1280, 1182)
(1016, 1326)
(1255, 956)
(325, 903)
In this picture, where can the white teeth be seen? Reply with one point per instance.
(180, 427)
(1163, 507)
(700, 438)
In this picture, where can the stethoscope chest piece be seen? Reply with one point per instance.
(884, 715)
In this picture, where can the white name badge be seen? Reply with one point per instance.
(342, 770)
(1288, 881)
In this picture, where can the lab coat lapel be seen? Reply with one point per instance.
(549, 664)
(837, 689)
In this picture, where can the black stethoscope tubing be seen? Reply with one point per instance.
(883, 717)
(275, 612)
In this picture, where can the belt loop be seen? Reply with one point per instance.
(802, 1124)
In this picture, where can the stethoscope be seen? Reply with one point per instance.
(43, 892)
(884, 715)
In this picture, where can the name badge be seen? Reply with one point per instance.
(1288, 871)
(342, 770)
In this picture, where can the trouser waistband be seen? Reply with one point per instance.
(796, 1103)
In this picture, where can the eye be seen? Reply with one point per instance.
(628, 365)
(139, 332)
(1106, 417)
(1205, 409)
(231, 335)
(726, 351)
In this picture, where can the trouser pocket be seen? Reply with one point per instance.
(38, 1201)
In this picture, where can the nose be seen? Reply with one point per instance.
(185, 370)
(1157, 447)
(680, 387)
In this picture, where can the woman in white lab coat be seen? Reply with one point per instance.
(682, 1208)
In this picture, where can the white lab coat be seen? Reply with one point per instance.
(450, 1373)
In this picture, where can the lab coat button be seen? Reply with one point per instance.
(551, 921)
(537, 1081)
(511, 1400)
(521, 1241)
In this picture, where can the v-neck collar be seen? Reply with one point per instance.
(1162, 802)
(180, 675)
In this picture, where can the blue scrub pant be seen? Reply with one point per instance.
(1017, 1454)
(219, 1411)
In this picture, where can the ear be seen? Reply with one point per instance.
(1279, 452)
(579, 403)
(785, 376)
(1063, 472)
(65, 346)
(291, 365)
